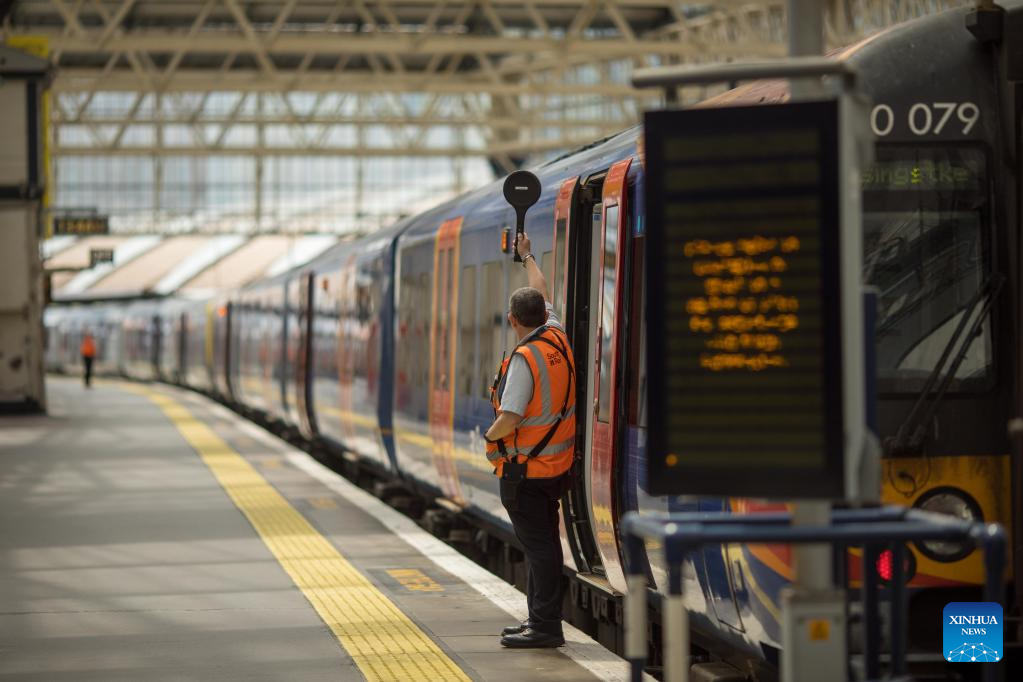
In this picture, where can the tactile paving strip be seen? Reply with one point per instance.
(384, 643)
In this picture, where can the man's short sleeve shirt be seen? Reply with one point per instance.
(518, 382)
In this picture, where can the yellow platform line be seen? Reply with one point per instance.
(380, 638)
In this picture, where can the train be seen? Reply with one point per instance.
(381, 352)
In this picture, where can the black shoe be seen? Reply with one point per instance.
(532, 639)
(515, 629)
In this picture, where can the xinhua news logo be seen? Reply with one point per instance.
(972, 632)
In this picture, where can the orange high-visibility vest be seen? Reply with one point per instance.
(546, 435)
(88, 347)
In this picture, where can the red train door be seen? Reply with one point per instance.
(609, 234)
(558, 286)
(443, 342)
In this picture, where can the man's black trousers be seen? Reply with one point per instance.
(534, 515)
(88, 370)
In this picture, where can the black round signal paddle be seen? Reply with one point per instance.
(521, 190)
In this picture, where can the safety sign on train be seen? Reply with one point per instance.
(744, 305)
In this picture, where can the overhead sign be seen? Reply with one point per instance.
(97, 256)
(80, 225)
(743, 278)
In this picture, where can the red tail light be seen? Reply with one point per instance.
(886, 565)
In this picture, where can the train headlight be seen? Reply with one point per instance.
(952, 502)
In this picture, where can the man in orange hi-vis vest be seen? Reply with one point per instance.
(532, 447)
(88, 351)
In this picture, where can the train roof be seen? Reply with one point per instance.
(933, 54)
(486, 206)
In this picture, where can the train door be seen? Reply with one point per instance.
(572, 506)
(443, 342)
(292, 339)
(181, 336)
(156, 347)
(597, 298)
(346, 358)
(304, 366)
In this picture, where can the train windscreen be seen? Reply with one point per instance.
(926, 217)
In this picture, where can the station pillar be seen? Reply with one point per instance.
(23, 79)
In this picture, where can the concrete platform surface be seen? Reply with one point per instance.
(147, 533)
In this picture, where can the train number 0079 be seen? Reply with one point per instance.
(928, 119)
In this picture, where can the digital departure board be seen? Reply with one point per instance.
(744, 305)
(82, 225)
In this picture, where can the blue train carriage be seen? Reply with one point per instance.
(452, 292)
(345, 359)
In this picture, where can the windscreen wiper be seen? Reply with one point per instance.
(909, 439)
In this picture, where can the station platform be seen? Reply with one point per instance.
(147, 532)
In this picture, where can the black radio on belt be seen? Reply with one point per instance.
(512, 476)
(513, 472)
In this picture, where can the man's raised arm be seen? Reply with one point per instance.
(533, 272)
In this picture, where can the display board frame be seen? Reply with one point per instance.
(825, 476)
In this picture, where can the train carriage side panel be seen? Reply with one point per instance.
(350, 293)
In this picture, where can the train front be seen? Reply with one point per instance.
(941, 238)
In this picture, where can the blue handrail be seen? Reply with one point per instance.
(681, 534)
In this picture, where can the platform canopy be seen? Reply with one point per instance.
(501, 82)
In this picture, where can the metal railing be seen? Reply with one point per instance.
(876, 529)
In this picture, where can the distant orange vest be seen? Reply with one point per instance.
(550, 413)
(88, 347)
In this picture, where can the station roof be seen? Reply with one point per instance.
(153, 265)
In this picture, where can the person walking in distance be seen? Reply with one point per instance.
(532, 447)
(88, 352)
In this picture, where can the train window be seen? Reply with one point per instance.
(557, 284)
(358, 327)
(421, 328)
(465, 366)
(547, 268)
(493, 306)
(925, 218)
(607, 314)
